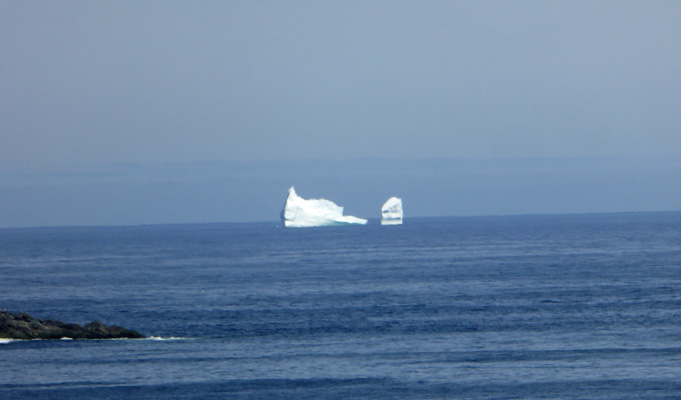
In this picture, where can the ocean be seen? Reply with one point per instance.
(505, 307)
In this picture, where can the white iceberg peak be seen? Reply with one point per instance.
(301, 213)
(392, 212)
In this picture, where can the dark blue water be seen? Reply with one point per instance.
(532, 307)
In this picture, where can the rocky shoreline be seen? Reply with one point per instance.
(23, 326)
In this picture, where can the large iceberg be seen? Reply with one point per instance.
(392, 212)
(301, 213)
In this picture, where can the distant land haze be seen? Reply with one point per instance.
(133, 194)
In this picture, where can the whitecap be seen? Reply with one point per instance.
(164, 338)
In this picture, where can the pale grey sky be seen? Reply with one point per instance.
(90, 87)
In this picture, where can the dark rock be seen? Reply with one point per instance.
(23, 326)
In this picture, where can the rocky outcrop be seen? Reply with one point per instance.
(23, 326)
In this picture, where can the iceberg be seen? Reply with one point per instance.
(301, 213)
(392, 212)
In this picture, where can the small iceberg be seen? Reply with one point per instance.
(392, 212)
(301, 213)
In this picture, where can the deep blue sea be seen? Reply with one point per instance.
(517, 307)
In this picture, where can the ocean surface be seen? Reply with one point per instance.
(518, 307)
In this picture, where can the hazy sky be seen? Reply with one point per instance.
(90, 86)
